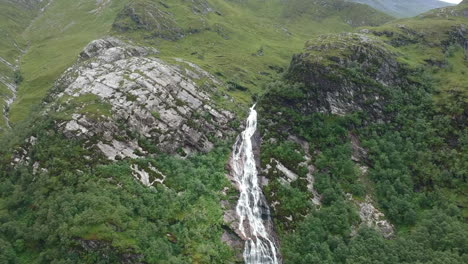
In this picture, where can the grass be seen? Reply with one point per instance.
(429, 45)
(226, 42)
(56, 38)
(14, 19)
(105, 232)
(87, 104)
(452, 82)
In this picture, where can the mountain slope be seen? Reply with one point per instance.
(56, 38)
(257, 46)
(365, 139)
(120, 149)
(15, 17)
(403, 8)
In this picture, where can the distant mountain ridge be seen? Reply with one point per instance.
(403, 8)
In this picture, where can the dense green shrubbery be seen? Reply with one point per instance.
(78, 211)
(321, 238)
(415, 158)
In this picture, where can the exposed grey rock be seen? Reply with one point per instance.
(448, 12)
(8, 64)
(372, 217)
(74, 127)
(290, 176)
(369, 214)
(287, 176)
(8, 98)
(145, 175)
(100, 5)
(234, 242)
(201, 6)
(326, 69)
(154, 99)
(118, 149)
(111, 49)
(359, 153)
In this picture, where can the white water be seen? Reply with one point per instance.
(259, 246)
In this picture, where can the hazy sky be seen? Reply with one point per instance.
(452, 1)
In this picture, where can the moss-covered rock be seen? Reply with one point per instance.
(344, 73)
(148, 16)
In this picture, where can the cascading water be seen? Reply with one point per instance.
(251, 208)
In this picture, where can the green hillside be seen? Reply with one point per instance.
(122, 131)
(398, 134)
(404, 8)
(254, 38)
(56, 38)
(15, 17)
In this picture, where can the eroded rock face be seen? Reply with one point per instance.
(344, 73)
(369, 214)
(372, 217)
(134, 95)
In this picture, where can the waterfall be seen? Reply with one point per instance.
(252, 209)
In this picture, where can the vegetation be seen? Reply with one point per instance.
(55, 39)
(416, 150)
(403, 8)
(206, 32)
(18, 77)
(72, 209)
(14, 19)
(403, 141)
(414, 165)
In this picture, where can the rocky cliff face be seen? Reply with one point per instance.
(117, 93)
(335, 77)
(344, 73)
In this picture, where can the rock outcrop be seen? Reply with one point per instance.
(125, 93)
(458, 11)
(155, 19)
(372, 217)
(344, 73)
(149, 17)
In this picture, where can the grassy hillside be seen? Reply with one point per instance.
(245, 43)
(379, 113)
(56, 38)
(383, 114)
(15, 17)
(404, 8)
(435, 40)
